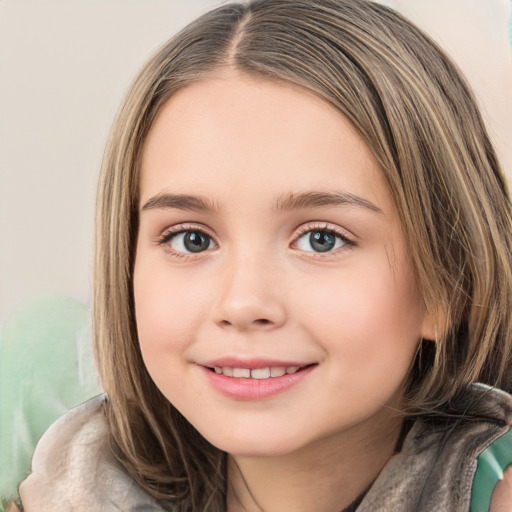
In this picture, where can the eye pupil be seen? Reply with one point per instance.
(196, 242)
(322, 241)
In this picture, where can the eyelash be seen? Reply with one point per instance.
(326, 228)
(169, 234)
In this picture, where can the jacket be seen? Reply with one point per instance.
(73, 470)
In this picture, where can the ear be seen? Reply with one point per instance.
(434, 324)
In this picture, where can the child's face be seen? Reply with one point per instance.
(268, 238)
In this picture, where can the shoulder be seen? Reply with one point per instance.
(73, 469)
(435, 470)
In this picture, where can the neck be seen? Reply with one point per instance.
(327, 475)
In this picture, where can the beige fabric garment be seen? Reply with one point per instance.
(73, 470)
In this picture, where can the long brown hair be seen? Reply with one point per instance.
(418, 117)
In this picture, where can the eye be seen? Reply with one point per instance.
(321, 240)
(188, 241)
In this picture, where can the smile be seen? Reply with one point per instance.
(260, 381)
(256, 373)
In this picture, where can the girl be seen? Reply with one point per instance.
(303, 278)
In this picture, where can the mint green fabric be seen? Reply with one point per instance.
(46, 368)
(492, 463)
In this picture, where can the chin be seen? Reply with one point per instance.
(256, 445)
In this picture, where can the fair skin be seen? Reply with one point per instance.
(268, 234)
(502, 496)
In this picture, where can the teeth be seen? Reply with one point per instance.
(256, 373)
(260, 373)
(228, 372)
(278, 371)
(242, 372)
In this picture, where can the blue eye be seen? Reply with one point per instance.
(190, 241)
(320, 240)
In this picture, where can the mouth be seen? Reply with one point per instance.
(257, 382)
(267, 372)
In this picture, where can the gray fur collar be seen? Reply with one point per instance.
(435, 469)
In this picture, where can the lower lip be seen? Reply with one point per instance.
(255, 389)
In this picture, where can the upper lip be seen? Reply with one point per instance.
(250, 363)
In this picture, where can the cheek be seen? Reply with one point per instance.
(368, 320)
(167, 309)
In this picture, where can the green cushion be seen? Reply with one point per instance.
(46, 368)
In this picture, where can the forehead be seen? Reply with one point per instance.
(245, 135)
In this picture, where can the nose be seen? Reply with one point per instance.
(249, 297)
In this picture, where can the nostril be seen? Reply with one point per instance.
(257, 323)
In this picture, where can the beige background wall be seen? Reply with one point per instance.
(64, 65)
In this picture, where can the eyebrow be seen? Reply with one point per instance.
(319, 199)
(182, 202)
(283, 203)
